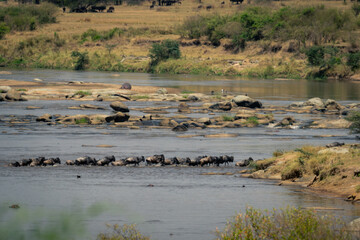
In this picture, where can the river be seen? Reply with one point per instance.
(182, 204)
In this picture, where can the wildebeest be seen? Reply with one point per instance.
(208, 7)
(152, 6)
(98, 8)
(110, 10)
(85, 161)
(120, 162)
(156, 159)
(237, 1)
(134, 160)
(79, 10)
(105, 161)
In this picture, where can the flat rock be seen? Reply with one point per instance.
(119, 107)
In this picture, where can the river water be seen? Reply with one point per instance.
(182, 204)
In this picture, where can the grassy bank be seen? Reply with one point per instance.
(248, 39)
(332, 169)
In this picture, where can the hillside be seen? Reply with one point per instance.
(120, 41)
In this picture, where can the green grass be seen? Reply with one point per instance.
(124, 232)
(83, 93)
(21, 90)
(227, 118)
(82, 121)
(252, 121)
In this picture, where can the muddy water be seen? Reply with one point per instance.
(183, 204)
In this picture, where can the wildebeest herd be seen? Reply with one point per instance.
(101, 8)
(155, 160)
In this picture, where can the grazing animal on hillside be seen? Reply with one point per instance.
(208, 7)
(152, 6)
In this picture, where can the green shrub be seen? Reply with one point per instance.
(354, 117)
(315, 55)
(124, 232)
(289, 223)
(4, 29)
(165, 50)
(353, 60)
(356, 8)
(80, 60)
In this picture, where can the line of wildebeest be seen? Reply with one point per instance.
(158, 160)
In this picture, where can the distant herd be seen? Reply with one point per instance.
(111, 9)
(155, 160)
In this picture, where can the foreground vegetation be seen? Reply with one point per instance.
(289, 223)
(257, 39)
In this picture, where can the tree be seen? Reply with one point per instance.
(164, 50)
(354, 117)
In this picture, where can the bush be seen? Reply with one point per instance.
(315, 55)
(80, 60)
(165, 50)
(3, 30)
(125, 232)
(354, 117)
(289, 223)
(353, 60)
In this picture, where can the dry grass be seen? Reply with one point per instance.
(334, 171)
(149, 25)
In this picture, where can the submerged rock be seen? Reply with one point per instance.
(126, 86)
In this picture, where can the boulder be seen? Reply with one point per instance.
(193, 98)
(286, 121)
(315, 102)
(332, 105)
(181, 127)
(331, 124)
(183, 107)
(119, 107)
(204, 120)
(13, 95)
(4, 89)
(91, 106)
(245, 101)
(162, 91)
(224, 106)
(44, 118)
(118, 117)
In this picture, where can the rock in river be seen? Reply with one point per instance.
(245, 101)
(119, 107)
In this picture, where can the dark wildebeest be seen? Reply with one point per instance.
(152, 6)
(156, 159)
(64, 9)
(106, 161)
(110, 10)
(208, 7)
(98, 8)
(237, 1)
(134, 160)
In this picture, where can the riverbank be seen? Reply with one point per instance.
(120, 41)
(334, 169)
